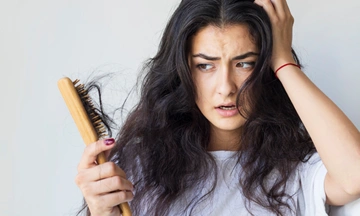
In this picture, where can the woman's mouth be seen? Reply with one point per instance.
(227, 111)
(227, 107)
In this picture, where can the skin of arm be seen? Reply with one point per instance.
(335, 137)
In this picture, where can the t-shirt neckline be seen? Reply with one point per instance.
(222, 155)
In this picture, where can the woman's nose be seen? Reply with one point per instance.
(226, 84)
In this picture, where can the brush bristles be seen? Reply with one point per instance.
(91, 110)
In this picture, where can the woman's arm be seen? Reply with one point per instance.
(335, 137)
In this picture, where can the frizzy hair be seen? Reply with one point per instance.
(162, 146)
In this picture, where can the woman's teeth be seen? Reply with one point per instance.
(227, 107)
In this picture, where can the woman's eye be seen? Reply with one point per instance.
(246, 65)
(204, 67)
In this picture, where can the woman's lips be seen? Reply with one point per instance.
(227, 111)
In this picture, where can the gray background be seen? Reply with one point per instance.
(43, 40)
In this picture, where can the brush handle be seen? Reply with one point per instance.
(83, 123)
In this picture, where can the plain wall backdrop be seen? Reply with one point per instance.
(42, 41)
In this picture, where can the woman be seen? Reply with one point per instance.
(227, 124)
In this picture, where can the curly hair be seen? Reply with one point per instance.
(162, 146)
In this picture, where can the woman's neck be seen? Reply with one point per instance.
(223, 140)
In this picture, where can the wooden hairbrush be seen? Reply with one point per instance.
(87, 121)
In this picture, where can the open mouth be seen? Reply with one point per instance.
(227, 107)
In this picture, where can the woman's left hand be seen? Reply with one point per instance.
(282, 23)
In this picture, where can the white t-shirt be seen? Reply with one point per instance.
(351, 209)
(227, 200)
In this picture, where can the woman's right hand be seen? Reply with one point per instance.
(103, 186)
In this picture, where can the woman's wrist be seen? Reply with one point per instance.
(286, 65)
(282, 61)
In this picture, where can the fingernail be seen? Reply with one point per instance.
(109, 141)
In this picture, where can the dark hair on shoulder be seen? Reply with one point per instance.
(162, 145)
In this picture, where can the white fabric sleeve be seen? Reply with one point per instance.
(350, 209)
(312, 179)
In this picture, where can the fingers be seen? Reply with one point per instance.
(110, 199)
(268, 7)
(276, 9)
(92, 151)
(118, 197)
(281, 23)
(106, 170)
(107, 204)
(279, 7)
(104, 186)
(112, 184)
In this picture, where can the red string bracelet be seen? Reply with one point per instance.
(296, 65)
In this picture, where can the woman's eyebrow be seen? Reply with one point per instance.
(211, 58)
(245, 55)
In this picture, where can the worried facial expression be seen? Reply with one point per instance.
(221, 59)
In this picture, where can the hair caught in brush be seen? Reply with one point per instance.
(93, 89)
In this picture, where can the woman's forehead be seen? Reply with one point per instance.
(215, 40)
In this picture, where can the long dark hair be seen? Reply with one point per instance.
(162, 146)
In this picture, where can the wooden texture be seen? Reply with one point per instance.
(83, 123)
